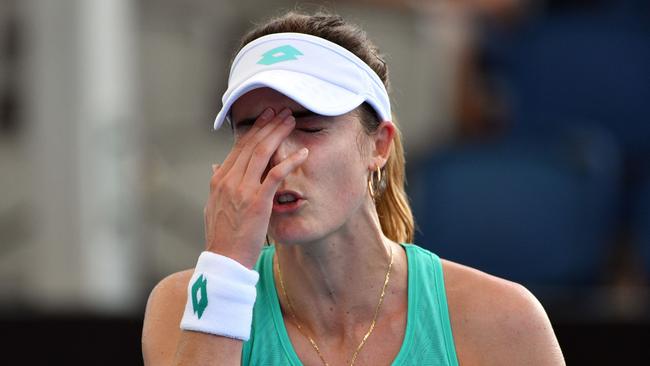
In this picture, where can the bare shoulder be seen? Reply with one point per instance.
(161, 328)
(497, 322)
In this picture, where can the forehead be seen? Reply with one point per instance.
(257, 100)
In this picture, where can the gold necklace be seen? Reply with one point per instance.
(365, 337)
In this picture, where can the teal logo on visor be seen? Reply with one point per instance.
(279, 54)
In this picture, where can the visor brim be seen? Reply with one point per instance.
(316, 95)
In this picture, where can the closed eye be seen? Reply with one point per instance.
(307, 121)
(310, 130)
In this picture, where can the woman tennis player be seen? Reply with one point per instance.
(317, 169)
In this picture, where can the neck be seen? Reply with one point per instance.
(335, 283)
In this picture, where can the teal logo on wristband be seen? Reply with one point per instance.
(279, 54)
(200, 303)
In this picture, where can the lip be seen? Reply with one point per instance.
(287, 207)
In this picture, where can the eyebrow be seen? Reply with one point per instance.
(296, 114)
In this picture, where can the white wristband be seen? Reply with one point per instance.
(220, 297)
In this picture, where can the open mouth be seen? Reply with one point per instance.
(287, 201)
(286, 198)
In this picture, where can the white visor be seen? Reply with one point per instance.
(318, 74)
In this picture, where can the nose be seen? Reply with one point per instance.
(286, 148)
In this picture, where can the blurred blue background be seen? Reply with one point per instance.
(526, 125)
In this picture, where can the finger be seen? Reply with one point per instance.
(263, 152)
(281, 171)
(237, 160)
(214, 179)
(263, 120)
(261, 147)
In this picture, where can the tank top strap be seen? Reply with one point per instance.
(432, 342)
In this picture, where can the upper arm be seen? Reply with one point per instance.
(161, 329)
(524, 335)
(497, 322)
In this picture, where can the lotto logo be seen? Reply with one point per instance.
(279, 54)
(200, 295)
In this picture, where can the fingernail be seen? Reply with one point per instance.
(304, 151)
(289, 120)
(268, 113)
(285, 112)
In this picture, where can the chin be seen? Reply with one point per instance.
(292, 232)
(292, 237)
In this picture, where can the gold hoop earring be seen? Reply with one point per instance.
(378, 175)
(371, 184)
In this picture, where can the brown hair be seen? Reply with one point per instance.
(390, 199)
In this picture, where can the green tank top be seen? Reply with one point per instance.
(428, 338)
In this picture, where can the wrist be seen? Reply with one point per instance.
(244, 259)
(220, 297)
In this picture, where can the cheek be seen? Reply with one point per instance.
(338, 176)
